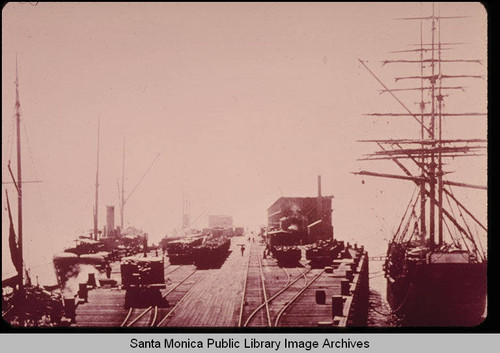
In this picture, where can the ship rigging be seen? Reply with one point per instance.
(28, 304)
(436, 263)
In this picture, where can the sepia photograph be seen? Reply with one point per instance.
(244, 165)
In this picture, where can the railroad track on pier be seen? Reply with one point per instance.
(180, 284)
(141, 317)
(270, 290)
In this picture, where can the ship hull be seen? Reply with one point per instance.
(444, 294)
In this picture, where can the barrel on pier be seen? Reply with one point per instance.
(320, 297)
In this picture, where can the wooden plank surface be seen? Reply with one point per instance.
(212, 298)
(216, 299)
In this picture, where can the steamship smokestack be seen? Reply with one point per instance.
(110, 219)
(320, 200)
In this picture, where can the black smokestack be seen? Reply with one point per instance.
(320, 200)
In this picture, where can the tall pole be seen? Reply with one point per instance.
(319, 200)
(19, 185)
(123, 187)
(422, 136)
(186, 210)
(432, 166)
(440, 162)
(96, 210)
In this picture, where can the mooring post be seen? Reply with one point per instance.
(337, 305)
(70, 308)
(320, 297)
(345, 286)
(91, 280)
(83, 291)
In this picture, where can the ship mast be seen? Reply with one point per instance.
(440, 137)
(124, 200)
(97, 184)
(427, 153)
(19, 185)
(422, 132)
(18, 245)
(432, 165)
(122, 203)
(186, 211)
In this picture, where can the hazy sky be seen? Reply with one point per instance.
(245, 102)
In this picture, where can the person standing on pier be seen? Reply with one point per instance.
(242, 250)
(108, 270)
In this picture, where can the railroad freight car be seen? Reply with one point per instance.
(212, 253)
(180, 252)
(142, 278)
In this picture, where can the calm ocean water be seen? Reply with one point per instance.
(379, 313)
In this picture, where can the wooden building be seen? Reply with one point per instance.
(308, 217)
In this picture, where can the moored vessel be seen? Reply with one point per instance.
(25, 304)
(87, 250)
(111, 243)
(436, 265)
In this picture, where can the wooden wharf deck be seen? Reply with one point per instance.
(141, 317)
(254, 289)
(282, 304)
(105, 306)
(213, 298)
(307, 311)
